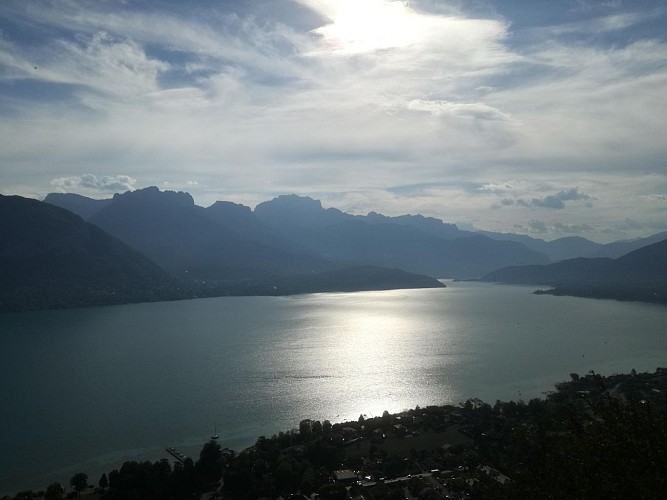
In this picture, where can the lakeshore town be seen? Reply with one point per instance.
(593, 437)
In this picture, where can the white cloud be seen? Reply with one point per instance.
(473, 110)
(253, 107)
(91, 183)
(100, 63)
(553, 201)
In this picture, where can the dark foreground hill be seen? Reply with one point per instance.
(51, 258)
(638, 275)
(595, 437)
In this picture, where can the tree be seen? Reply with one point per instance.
(305, 428)
(103, 482)
(210, 460)
(386, 418)
(54, 491)
(287, 474)
(79, 482)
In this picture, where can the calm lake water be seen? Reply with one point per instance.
(84, 390)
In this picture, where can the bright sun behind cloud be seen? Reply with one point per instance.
(357, 26)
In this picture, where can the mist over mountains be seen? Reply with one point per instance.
(154, 245)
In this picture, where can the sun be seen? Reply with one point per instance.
(358, 26)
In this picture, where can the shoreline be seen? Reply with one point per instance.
(591, 385)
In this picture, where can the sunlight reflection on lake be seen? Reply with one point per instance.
(102, 383)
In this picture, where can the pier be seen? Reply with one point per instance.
(176, 454)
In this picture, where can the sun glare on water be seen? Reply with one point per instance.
(358, 26)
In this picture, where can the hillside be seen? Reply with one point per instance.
(288, 235)
(221, 243)
(51, 258)
(412, 243)
(638, 275)
(229, 245)
(346, 279)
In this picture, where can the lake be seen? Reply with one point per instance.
(85, 389)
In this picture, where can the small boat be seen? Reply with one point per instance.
(215, 433)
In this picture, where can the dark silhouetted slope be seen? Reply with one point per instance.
(412, 243)
(50, 258)
(564, 271)
(569, 247)
(639, 275)
(620, 248)
(224, 242)
(81, 205)
(647, 263)
(346, 279)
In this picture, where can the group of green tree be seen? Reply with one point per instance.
(145, 480)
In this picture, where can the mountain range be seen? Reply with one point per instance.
(288, 234)
(51, 258)
(153, 245)
(299, 226)
(290, 244)
(637, 275)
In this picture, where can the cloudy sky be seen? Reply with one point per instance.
(533, 116)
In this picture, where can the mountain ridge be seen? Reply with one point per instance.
(637, 275)
(301, 225)
(51, 258)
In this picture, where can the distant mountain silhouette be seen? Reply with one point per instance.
(429, 225)
(81, 205)
(50, 258)
(620, 248)
(224, 242)
(571, 247)
(565, 271)
(646, 263)
(292, 211)
(638, 275)
(225, 249)
(568, 247)
(232, 248)
(346, 279)
(413, 243)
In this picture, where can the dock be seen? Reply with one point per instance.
(176, 454)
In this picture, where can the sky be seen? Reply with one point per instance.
(538, 117)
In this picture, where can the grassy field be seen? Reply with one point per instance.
(401, 446)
